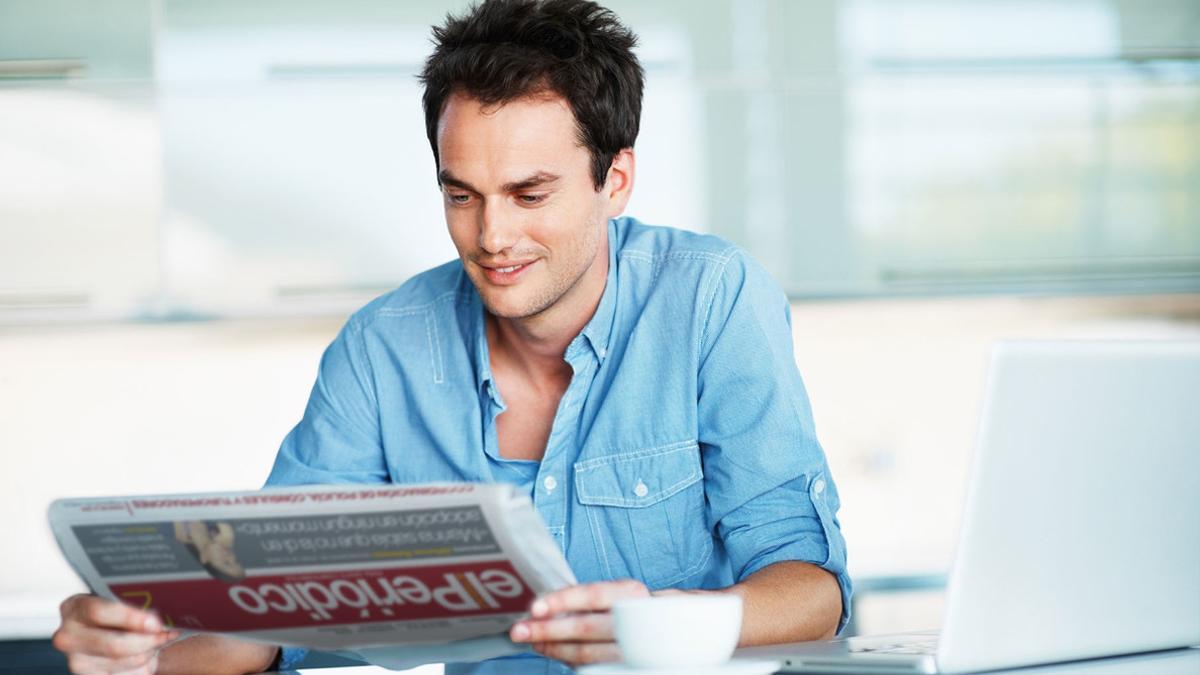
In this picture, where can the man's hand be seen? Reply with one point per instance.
(788, 601)
(575, 624)
(103, 636)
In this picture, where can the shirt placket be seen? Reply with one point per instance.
(492, 407)
(551, 486)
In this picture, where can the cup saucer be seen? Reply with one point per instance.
(732, 667)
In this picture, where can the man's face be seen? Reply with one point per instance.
(520, 204)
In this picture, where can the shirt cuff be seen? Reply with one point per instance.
(797, 539)
(290, 657)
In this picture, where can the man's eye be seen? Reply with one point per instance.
(458, 199)
(531, 199)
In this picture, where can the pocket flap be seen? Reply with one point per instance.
(639, 478)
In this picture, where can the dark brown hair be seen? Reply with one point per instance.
(502, 50)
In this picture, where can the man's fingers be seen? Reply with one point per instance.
(597, 597)
(77, 638)
(576, 653)
(585, 636)
(90, 610)
(589, 627)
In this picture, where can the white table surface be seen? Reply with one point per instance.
(1179, 662)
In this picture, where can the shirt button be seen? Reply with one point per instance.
(819, 486)
(550, 483)
(640, 489)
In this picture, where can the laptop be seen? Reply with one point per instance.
(1081, 536)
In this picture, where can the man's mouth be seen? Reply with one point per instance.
(506, 274)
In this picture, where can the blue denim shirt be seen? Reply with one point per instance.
(682, 454)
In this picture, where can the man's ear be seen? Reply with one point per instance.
(618, 186)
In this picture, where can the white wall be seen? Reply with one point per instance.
(127, 409)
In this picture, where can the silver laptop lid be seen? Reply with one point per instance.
(1082, 530)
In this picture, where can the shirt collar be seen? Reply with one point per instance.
(597, 331)
(478, 328)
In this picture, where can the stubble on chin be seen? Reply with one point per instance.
(524, 309)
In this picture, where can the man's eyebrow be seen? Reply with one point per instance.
(447, 178)
(538, 179)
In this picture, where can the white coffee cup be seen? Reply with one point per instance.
(678, 631)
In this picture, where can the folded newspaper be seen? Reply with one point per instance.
(326, 567)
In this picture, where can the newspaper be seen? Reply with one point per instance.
(325, 567)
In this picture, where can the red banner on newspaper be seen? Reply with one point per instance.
(325, 598)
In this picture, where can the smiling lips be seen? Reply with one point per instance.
(507, 275)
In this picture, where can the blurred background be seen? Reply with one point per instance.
(194, 194)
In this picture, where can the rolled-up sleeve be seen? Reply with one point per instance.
(770, 495)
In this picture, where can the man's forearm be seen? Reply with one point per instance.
(215, 654)
(788, 602)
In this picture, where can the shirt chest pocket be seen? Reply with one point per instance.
(646, 513)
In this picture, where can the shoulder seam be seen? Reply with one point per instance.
(355, 336)
(432, 334)
(711, 282)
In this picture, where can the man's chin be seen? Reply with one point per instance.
(507, 311)
(517, 301)
(510, 307)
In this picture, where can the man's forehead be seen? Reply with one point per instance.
(484, 146)
(532, 120)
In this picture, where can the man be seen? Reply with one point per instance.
(637, 382)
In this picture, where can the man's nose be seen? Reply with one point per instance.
(497, 230)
